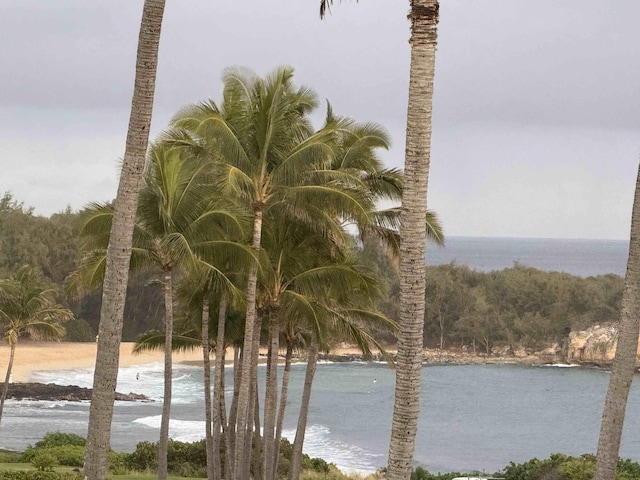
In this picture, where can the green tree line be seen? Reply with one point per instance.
(517, 307)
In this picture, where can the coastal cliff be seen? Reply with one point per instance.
(596, 345)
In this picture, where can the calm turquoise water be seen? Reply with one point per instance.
(473, 417)
(578, 257)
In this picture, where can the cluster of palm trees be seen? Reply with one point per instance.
(249, 211)
(423, 16)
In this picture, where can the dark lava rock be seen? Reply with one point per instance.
(53, 392)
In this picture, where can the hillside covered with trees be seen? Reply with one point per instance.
(516, 307)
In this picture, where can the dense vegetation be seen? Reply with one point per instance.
(52, 246)
(516, 307)
(185, 459)
(188, 460)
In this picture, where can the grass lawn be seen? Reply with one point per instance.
(132, 476)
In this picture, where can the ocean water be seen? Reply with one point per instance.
(579, 257)
(474, 417)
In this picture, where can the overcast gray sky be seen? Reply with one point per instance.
(536, 109)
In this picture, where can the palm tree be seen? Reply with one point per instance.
(28, 307)
(119, 250)
(406, 409)
(424, 33)
(271, 158)
(177, 224)
(624, 363)
(343, 309)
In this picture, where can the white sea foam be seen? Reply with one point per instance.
(348, 458)
(180, 430)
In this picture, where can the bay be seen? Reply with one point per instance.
(474, 417)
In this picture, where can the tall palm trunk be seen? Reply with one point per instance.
(281, 409)
(424, 21)
(253, 434)
(624, 362)
(163, 444)
(296, 457)
(244, 397)
(12, 353)
(206, 358)
(233, 415)
(119, 249)
(218, 389)
(270, 397)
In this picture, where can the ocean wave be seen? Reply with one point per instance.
(179, 430)
(348, 458)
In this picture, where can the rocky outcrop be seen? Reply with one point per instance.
(53, 392)
(596, 345)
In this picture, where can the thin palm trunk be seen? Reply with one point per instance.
(163, 443)
(233, 414)
(12, 353)
(119, 250)
(281, 409)
(253, 434)
(245, 380)
(206, 357)
(218, 388)
(270, 398)
(256, 437)
(406, 410)
(624, 363)
(296, 457)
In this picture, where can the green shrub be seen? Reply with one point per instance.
(68, 455)
(44, 461)
(144, 458)
(627, 469)
(37, 475)
(27, 455)
(315, 464)
(58, 439)
(118, 463)
(9, 457)
(577, 469)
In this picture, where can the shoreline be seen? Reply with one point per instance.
(50, 356)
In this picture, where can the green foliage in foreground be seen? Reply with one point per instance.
(562, 467)
(38, 475)
(188, 460)
(184, 459)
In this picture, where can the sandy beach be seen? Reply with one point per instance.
(36, 356)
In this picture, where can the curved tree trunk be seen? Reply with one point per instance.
(208, 428)
(218, 389)
(406, 409)
(244, 397)
(163, 444)
(281, 409)
(7, 378)
(296, 457)
(119, 249)
(270, 398)
(624, 363)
